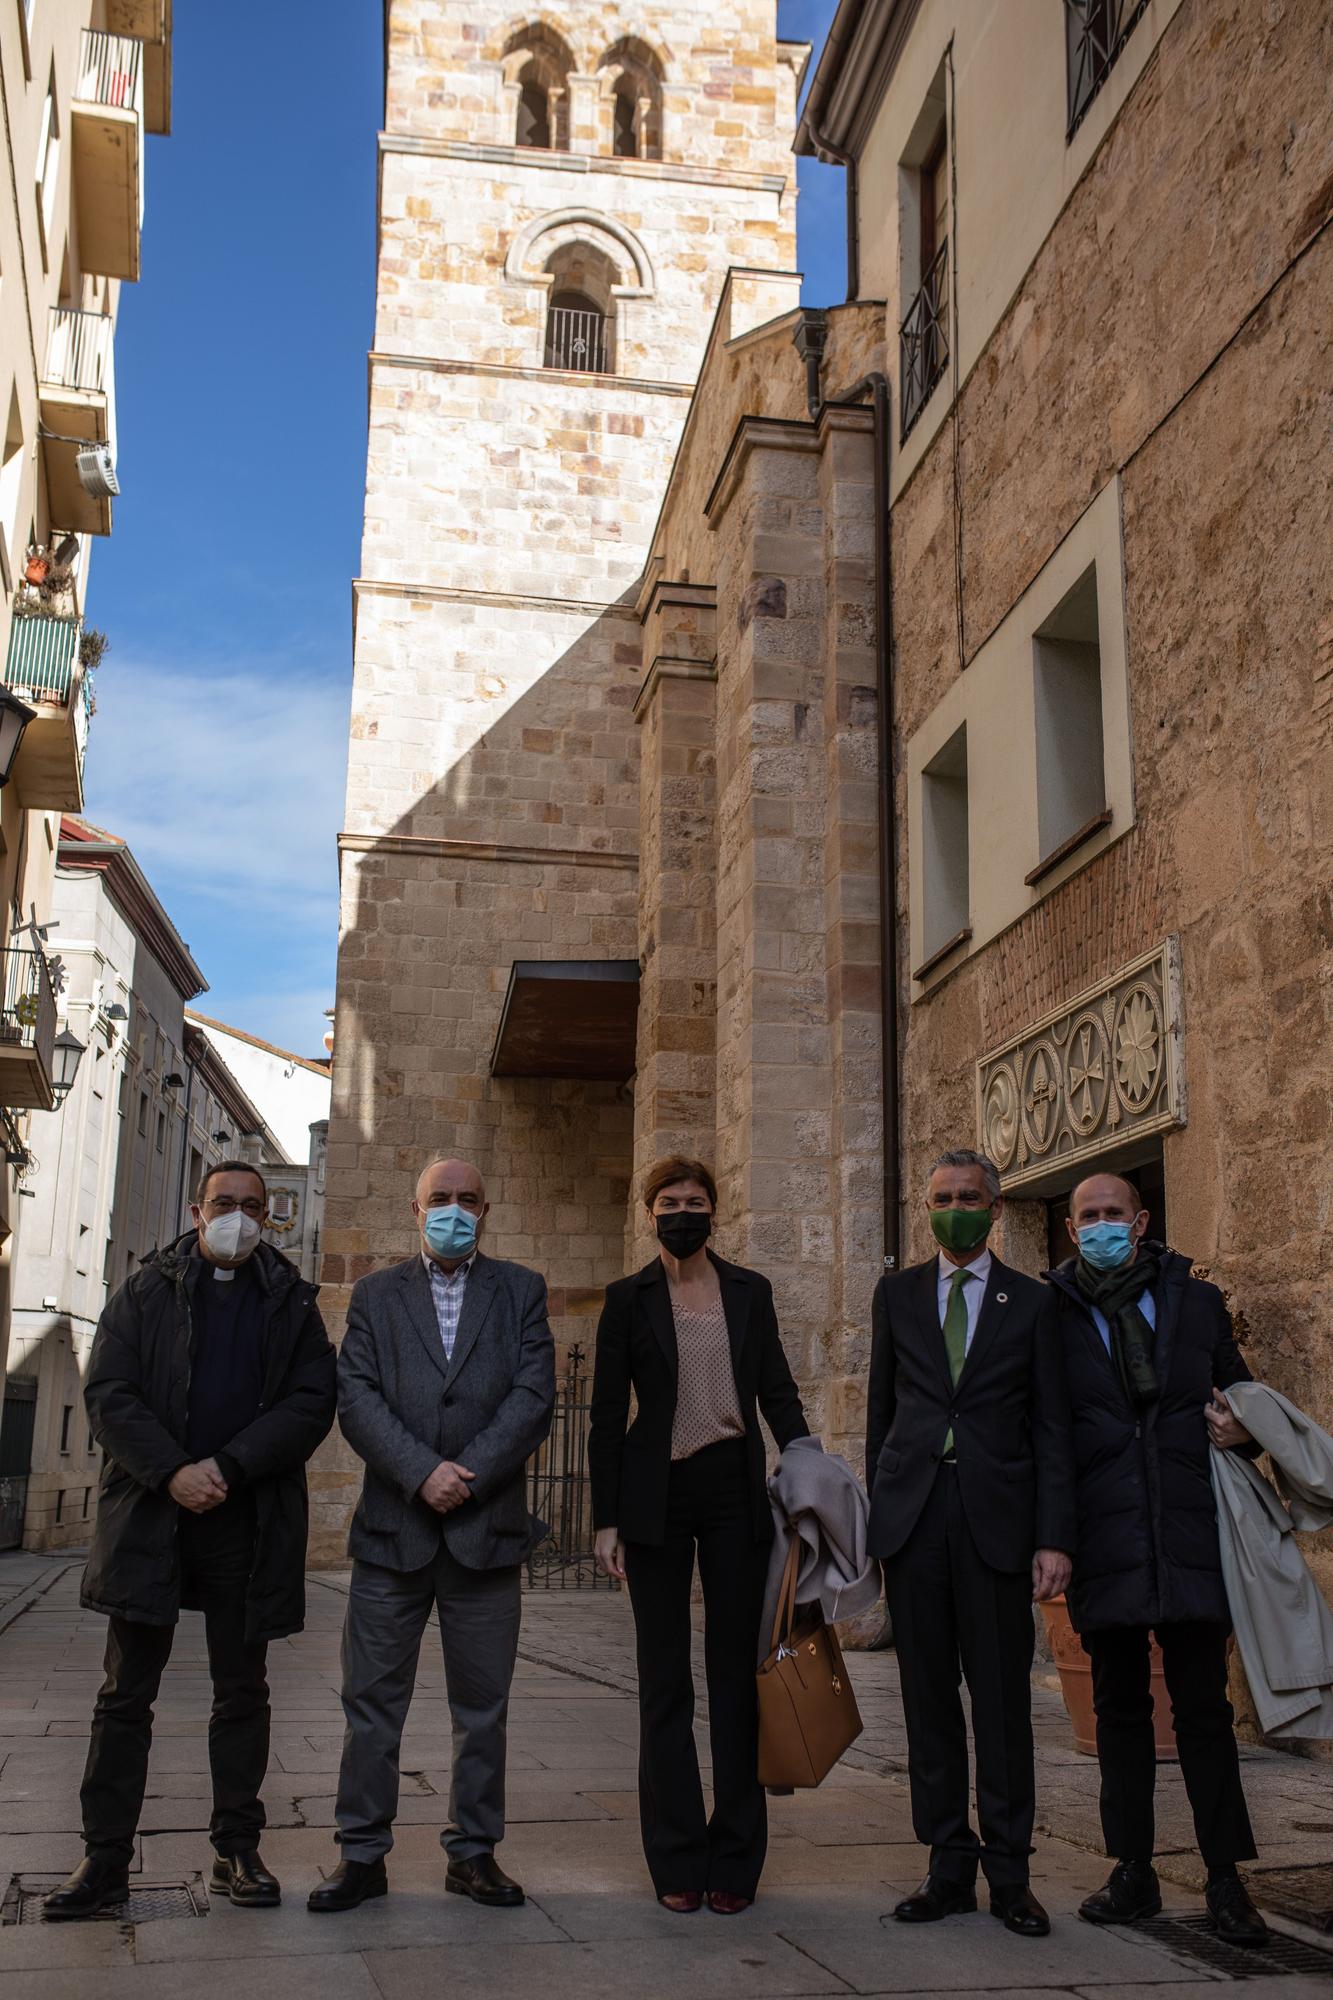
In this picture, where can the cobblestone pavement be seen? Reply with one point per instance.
(837, 1860)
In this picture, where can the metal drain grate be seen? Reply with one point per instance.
(148, 1901)
(1195, 1938)
(1304, 1893)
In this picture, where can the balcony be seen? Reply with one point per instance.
(923, 342)
(79, 406)
(149, 21)
(576, 340)
(43, 669)
(27, 1032)
(1095, 34)
(106, 119)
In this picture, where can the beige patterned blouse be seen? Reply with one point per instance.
(707, 1406)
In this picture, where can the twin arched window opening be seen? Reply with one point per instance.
(539, 64)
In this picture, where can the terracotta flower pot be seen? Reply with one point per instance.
(1075, 1670)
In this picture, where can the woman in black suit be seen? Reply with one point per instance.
(696, 1341)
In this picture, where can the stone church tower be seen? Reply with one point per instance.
(562, 196)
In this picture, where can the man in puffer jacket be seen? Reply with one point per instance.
(211, 1382)
(1145, 1348)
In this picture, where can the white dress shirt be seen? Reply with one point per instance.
(1147, 1305)
(973, 1291)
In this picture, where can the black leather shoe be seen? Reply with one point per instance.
(1234, 1915)
(1130, 1891)
(484, 1880)
(96, 1884)
(245, 1879)
(936, 1898)
(1019, 1911)
(351, 1882)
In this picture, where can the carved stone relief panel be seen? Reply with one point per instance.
(1102, 1072)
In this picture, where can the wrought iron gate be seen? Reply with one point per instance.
(559, 1492)
(16, 1423)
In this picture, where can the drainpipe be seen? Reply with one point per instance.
(877, 387)
(826, 149)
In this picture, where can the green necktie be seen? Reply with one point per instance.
(955, 1335)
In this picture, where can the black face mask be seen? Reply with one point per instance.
(683, 1232)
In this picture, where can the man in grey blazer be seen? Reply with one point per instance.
(446, 1384)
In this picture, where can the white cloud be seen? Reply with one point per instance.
(227, 783)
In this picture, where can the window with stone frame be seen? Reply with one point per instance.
(631, 74)
(537, 64)
(945, 859)
(923, 256)
(580, 314)
(1067, 712)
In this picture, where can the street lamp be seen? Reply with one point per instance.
(67, 1054)
(15, 715)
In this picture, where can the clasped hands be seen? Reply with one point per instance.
(198, 1488)
(446, 1487)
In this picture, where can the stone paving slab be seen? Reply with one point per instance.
(838, 1858)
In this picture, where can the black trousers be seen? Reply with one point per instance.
(216, 1555)
(709, 1512)
(1194, 1660)
(955, 1616)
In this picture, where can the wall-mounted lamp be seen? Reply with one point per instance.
(173, 1081)
(115, 1012)
(67, 1054)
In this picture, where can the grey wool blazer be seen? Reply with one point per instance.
(403, 1408)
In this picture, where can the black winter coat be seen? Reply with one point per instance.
(630, 1468)
(1147, 1550)
(137, 1396)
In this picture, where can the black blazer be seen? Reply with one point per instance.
(1009, 1416)
(636, 1350)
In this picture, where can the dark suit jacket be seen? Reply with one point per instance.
(403, 1408)
(1009, 1417)
(636, 1350)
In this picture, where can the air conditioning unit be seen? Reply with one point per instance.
(97, 472)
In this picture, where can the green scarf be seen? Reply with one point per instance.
(1116, 1295)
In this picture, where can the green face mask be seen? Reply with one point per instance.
(960, 1229)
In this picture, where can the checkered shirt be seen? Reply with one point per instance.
(446, 1289)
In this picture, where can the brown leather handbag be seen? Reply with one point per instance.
(807, 1711)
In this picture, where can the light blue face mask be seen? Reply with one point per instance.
(1106, 1245)
(451, 1232)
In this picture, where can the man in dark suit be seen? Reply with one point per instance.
(969, 1466)
(446, 1384)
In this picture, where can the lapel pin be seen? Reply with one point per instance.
(1002, 1298)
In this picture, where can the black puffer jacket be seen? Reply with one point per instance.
(1147, 1550)
(137, 1395)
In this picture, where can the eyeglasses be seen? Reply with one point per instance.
(224, 1205)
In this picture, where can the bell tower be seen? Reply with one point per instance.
(563, 192)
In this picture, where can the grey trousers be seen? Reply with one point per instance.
(387, 1612)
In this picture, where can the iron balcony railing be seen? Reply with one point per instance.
(28, 1011)
(110, 71)
(576, 340)
(1095, 33)
(923, 340)
(78, 349)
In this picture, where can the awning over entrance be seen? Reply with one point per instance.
(569, 1018)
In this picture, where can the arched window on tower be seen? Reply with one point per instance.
(632, 77)
(536, 65)
(580, 319)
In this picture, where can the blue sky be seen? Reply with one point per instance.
(219, 745)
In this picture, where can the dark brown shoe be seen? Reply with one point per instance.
(723, 1904)
(684, 1902)
(1019, 1911)
(351, 1882)
(245, 1880)
(484, 1880)
(96, 1884)
(936, 1898)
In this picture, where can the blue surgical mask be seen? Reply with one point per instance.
(451, 1232)
(1106, 1245)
